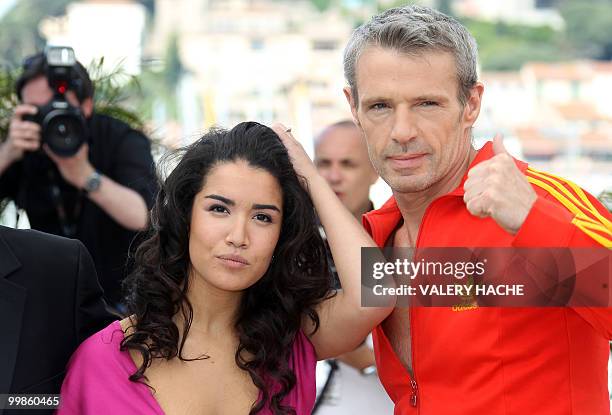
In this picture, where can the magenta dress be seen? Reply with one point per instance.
(97, 379)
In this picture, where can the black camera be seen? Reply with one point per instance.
(63, 126)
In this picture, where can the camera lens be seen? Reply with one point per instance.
(64, 135)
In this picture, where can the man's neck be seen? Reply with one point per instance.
(363, 208)
(413, 205)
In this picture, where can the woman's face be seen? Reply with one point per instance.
(235, 225)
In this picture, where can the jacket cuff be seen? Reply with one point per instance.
(547, 224)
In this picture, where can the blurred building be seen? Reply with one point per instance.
(559, 112)
(112, 29)
(268, 60)
(259, 60)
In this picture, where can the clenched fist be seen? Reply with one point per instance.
(496, 188)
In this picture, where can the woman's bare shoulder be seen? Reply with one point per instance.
(128, 324)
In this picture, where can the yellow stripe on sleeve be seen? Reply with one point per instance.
(584, 200)
(564, 201)
(584, 227)
(587, 218)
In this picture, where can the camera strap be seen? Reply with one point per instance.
(68, 225)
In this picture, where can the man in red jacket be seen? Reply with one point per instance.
(414, 92)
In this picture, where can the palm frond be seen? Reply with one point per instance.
(8, 99)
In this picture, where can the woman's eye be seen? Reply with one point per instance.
(263, 218)
(218, 209)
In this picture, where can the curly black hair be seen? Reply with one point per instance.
(271, 311)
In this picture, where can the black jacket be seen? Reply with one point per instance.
(50, 301)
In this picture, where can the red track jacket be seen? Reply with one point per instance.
(493, 360)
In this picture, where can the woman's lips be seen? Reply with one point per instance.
(407, 161)
(233, 261)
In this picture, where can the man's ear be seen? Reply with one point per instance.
(472, 106)
(87, 107)
(350, 98)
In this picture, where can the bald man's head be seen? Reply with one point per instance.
(341, 156)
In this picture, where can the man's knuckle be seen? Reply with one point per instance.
(489, 196)
(492, 168)
(470, 205)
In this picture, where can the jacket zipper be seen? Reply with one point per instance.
(414, 396)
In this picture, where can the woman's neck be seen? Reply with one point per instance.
(214, 310)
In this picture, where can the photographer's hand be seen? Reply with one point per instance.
(22, 136)
(75, 169)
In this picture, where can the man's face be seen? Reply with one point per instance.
(342, 159)
(416, 129)
(37, 92)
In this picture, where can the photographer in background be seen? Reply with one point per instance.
(76, 173)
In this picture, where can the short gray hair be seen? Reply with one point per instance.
(414, 30)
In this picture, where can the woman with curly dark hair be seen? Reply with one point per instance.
(230, 301)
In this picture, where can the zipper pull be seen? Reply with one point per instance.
(413, 396)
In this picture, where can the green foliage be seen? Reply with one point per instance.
(589, 27)
(606, 198)
(8, 100)
(504, 46)
(114, 92)
(20, 35)
(149, 5)
(322, 5)
(445, 6)
(160, 85)
(173, 68)
(511, 55)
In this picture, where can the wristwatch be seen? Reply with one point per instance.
(93, 182)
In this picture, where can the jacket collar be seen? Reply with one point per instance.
(8, 261)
